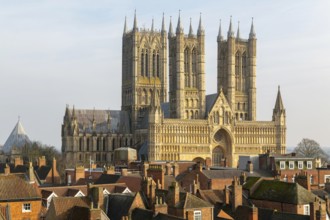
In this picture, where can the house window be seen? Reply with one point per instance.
(282, 165)
(300, 165)
(26, 207)
(306, 209)
(311, 179)
(197, 215)
(291, 165)
(309, 165)
(326, 178)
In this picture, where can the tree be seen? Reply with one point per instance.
(310, 148)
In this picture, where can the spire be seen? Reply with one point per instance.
(163, 24)
(179, 28)
(191, 32)
(220, 37)
(230, 30)
(135, 22)
(170, 29)
(200, 30)
(279, 103)
(238, 34)
(152, 25)
(252, 32)
(73, 113)
(125, 27)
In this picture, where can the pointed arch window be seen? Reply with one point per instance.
(237, 63)
(244, 64)
(142, 63)
(147, 64)
(194, 61)
(154, 63)
(158, 62)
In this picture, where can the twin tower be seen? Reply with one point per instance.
(150, 55)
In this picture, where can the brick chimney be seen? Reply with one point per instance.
(249, 167)
(7, 169)
(168, 168)
(303, 179)
(124, 172)
(160, 206)
(18, 161)
(226, 195)
(95, 194)
(195, 185)
(253, 215)
(110, 170)
(145, 167)
(41, 161)
(242, 178)
(175, 194)
(176, 170)
(79, 173)
(157, 172)
(31, 173)
(236, 194)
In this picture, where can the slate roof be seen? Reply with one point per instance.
(145, 214)
(107, 178)
(284, 192)
(14, 187)
(119, 205)
(42, 171)
(63, 206)
(119, 120)
(210, 99)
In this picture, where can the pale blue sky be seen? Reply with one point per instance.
(54, 53)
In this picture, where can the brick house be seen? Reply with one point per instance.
(22, 198)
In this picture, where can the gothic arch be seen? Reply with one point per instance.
(222, 147)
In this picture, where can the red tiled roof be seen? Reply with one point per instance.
(13, 187)
(133, 182)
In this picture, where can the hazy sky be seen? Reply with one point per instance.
(54, 53)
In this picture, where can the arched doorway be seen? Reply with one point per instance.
(217, 156)
(221, 153)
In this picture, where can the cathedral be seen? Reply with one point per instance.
(165, 113)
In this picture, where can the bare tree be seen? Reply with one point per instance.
(310, 148)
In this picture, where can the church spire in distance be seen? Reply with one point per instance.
(163, 24)
(191, 32)
(230, 30)
(170, 31)
(200, 30)
(179, 28)
(220, 37)
(252, 32)
(135, 22)
(238, 33)
(152, 25)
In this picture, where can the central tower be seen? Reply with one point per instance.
(186, 72)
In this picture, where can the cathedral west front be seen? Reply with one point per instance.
(165, 112)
